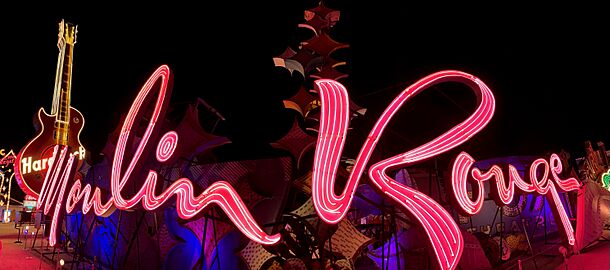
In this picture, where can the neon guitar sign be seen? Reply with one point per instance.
(61, 127)
(443, 233)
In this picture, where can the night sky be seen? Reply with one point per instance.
(547, 69)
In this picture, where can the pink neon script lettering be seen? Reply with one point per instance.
(503, 192)
(187, 205)
(443, 233)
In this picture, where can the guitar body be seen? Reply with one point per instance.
(32, 162)
(61, 127)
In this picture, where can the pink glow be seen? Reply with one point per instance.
(518, 181)
(569, 184)
(503, 194)
(443, 233)
(462, 164)
(166, 146)
(187, 205)
(117, 180)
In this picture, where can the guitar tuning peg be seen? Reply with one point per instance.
(75, 31)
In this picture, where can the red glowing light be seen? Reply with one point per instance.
(503, 193)
(54, 187)
(443, 233)
(167, 145)
(187, 205)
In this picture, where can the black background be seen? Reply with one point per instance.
(546, 65)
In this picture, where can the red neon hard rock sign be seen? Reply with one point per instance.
(443, 233)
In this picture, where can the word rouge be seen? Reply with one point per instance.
(443, 233)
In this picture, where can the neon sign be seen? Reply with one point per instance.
(442, 231)
(504, 190)
(28, 165)
(606, 180)
(7, 174)
(187, 205)
(6, 158)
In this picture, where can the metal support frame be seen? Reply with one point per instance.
(56, 251)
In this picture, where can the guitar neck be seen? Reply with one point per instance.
(63, 82)
(65, 85)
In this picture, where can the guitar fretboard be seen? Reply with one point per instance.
(61, 100)
(64, 99)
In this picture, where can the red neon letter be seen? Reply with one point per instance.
(503, 194)
(443, 233)
(462, 164)
(52, 192)
(187, 205)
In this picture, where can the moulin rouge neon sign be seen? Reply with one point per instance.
(443, 233)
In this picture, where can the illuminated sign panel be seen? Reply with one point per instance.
(28, 165)
(443, 233)
(6, 158)
(7, 174)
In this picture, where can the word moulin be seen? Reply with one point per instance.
(442, 232)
